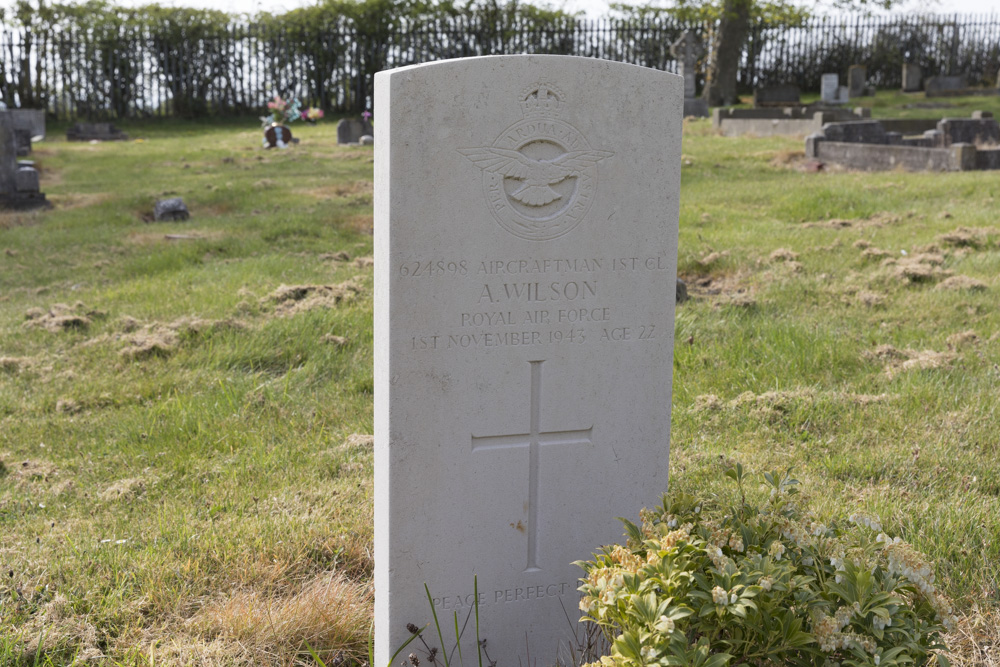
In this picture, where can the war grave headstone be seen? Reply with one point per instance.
(350, 130)
(95, 132)
(19, 187)
(525, 274)
(688, 49)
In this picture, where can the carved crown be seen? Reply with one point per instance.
(541, 100)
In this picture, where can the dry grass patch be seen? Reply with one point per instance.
(782, 401)
(870, 299)
(968, 237)
(783, 255)
(918, 268)
(14, 365)
(961, 282)
(875, 221)
(898, 361)
(153, 237)
(78, 199)
(289, 300)
(158, 339)
(961, 339)
(62, 317)
(330, 613)
(976, 640)
(124, 489)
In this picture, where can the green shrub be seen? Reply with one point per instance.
(708, 585)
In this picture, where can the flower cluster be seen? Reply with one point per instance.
(734, 583)
(287, 111)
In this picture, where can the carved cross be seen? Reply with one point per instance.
(534, 440)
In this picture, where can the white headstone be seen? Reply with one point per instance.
(525, 262)
(829, 84)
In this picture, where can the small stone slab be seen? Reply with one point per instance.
(95, 132)
(523, 336)
(969, 130)
(774, 96)
(169, 210)
(350, 130)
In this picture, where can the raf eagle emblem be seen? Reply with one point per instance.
(537, 175)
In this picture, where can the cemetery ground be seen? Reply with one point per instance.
(186, 476)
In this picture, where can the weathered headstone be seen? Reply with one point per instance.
(688, 49)
(95, 132)
(912, 78)
(829, 84)
(936, 85)
(781, 95)
(857, 78)
(30, 120)
(525, 258)
(19, 187)
(170, 210)
(350, 130)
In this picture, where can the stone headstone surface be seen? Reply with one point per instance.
(523, 338)
(350, 130)
(913, 77)
(862, 131)
(31, 120)
(770, 96)
(19, 188)
(829, 84)
(983, 131)
(937, 84)
(688, 49)
(857, 77)
(166, 210)
(95, 132)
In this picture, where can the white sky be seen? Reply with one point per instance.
(593, 8)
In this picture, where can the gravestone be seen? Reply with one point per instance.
(829, 85)
(937, 85)
(912, 78)
(776, 96)
(350, 130)
(19, 187)
(857, 77)
(30, 120)
(688, 49)
(95, 132)
(525, 262)
(170, 210)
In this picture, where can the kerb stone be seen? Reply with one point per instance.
(525, 267)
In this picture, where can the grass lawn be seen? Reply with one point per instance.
(185, 475)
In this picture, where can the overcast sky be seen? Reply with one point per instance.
(592, 8)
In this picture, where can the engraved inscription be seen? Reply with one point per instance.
(540, 175)
(534, 440)
(504, 596)
(518, 302)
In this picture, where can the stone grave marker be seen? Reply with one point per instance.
(829, 86)
(688, 49)
(912, 78)
(19, 187)
(857, 78)
(95, 132)
(170, 210)
(777, 96)
(525, 277)
(350, 130)
(937, 85)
